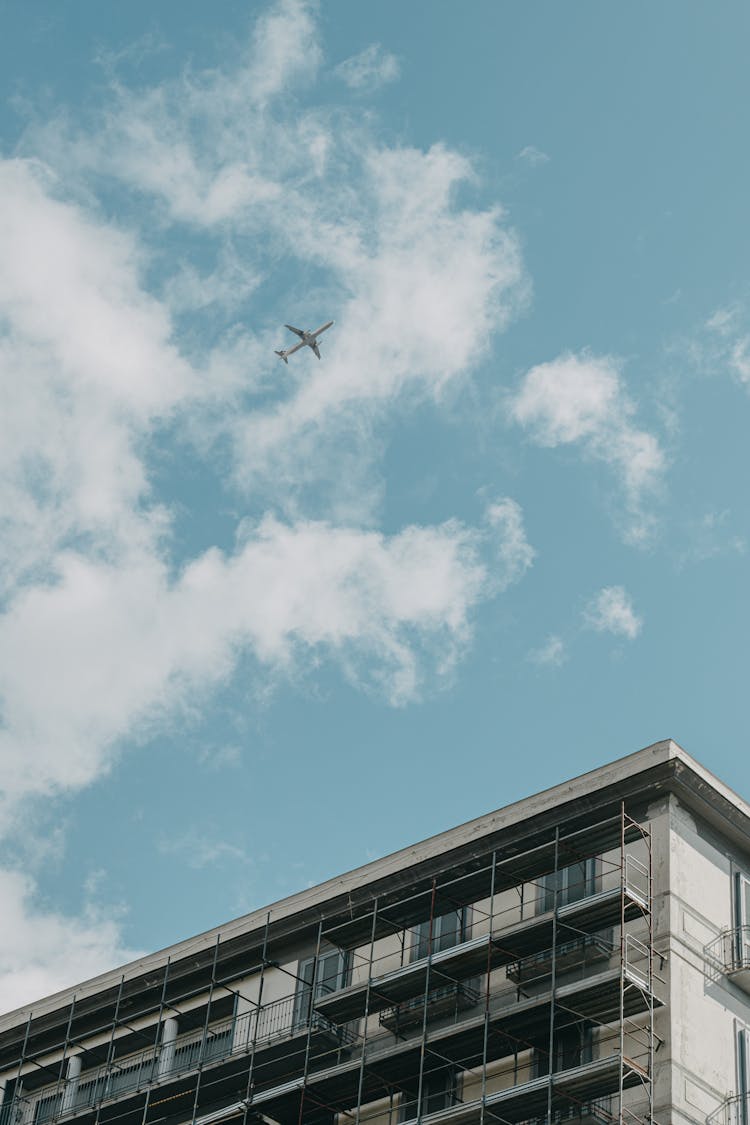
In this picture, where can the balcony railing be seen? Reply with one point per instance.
(733, 1111)
(444, 1001)
(602, 1111)
(732, 948)
(582, 951)
(158, 1063)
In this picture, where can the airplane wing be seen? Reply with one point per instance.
(315, 348)
(321, 329)
(297, 331)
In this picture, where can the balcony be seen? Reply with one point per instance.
(261, 1032)
(569, 1093)
(730, 954)
(591, 949)
(505, 946)
(733, 1111)
(440, 1002)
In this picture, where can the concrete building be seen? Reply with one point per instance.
(581, 955)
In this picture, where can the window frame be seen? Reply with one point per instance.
(741, 912)
(310, 990)
(451, 1094)
(585, 1051)
(742, 1058)
(556, 885)
(423, 943)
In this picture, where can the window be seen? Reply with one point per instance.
(447, 930)
(9, 1109)
(569, 884)
(439, 1091)
(333, 973)
(743, 1075)
(742, 919)
(572, 1047)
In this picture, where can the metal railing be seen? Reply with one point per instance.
(446, 1000)
(637, 960)
(637, 878)
(733, 1111)
(602, 1111)
(580, 951)
(730, 951)
(288, 1016)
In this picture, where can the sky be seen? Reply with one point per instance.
(261, 624)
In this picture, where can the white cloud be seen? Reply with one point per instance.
(428, 288)
(42, 951)
(581, 399)
(220, 757)
(86, 368)
(611, 611)
(533, 156)
(285, 49)
(106, 650)
(105, 631)
(713, 534)
(417, 284)
(726, 342)
(369, 69)
(200, 851)
(552, 653)
(96, 641)
(514, 553)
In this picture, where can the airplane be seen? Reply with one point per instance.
(307, 338)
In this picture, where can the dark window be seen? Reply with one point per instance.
(439, 1091)
(743, 1075)
(569, 884)
(447, 930)
(572, 1047)
(332, 974)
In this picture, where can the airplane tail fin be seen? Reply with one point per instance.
(283, 356)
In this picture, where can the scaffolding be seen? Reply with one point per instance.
(514, 987)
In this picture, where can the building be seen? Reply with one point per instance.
(582, 955)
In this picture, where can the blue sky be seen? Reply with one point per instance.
(258, 624)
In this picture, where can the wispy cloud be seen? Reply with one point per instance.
(552, 653)
(712, 535)
(370, 69)
(611, 611)
(200, 850)
(533, 156)
(220, 757)
(581, 399)
(728, 340)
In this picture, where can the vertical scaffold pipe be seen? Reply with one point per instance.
(623, 960)
(362, 1057)
(557, 883)
(310, 1021)
(425, 1001)
(488, 981)
(204, 1037)
(111, 1046)
(252, 1040)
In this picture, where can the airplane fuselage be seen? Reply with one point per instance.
(307, 339)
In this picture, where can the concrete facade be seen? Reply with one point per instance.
(582, 955)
